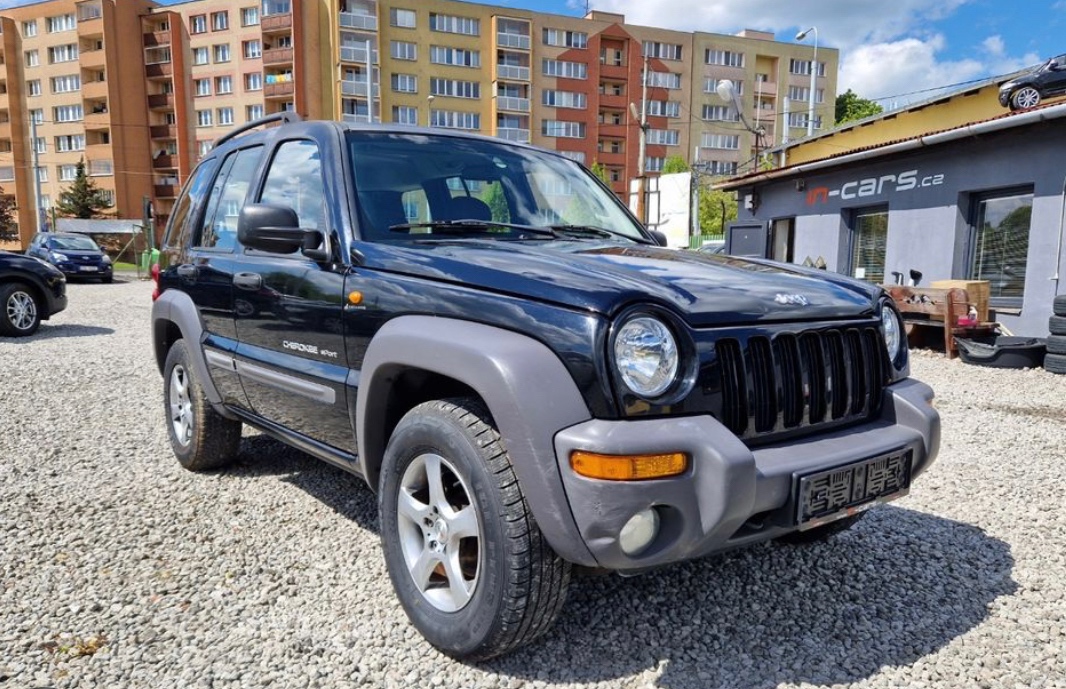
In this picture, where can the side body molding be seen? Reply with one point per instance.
(529, 392)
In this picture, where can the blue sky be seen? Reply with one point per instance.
(894, 51)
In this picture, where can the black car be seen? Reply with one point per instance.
(1026, 91)
(30, 291)
(77, 255)
(527, 377)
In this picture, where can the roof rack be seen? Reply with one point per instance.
(283, 117)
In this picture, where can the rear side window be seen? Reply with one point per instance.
(219, 229)
(191, 197)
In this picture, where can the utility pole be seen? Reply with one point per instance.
(642, 120)
(37, 214)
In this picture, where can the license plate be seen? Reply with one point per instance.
(88, 269)
(830, 495)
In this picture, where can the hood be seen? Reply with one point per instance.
(704, 289)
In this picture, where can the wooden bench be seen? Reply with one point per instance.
(937, 308)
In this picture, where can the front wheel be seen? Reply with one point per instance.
(202, 439)
(466, 558)
(1025, 98)
(21, 311)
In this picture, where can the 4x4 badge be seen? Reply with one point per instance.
(792, 299)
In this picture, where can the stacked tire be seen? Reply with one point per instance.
(1055, 361)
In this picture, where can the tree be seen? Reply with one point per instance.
(851, 107)
(600, 170)
(496, 200)
(82, 199)
(674, 163)
(712, 204)
(7, 216)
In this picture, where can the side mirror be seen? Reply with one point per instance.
(276, 229)
(659, 237)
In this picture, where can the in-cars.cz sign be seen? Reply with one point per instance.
(874, 186)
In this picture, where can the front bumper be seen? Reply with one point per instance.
(1004, 98)
(731, 494)
(81, 270)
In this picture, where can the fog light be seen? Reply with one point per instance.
(639, 531)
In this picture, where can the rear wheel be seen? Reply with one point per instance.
(1025, 98)
(202, 439)
(466, 558)
(821, 534)
(20, 311)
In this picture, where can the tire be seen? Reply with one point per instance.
(1024, 98)
(1055, 363)
(202, 439)
(821, 534)
(20, 311)
(1056, 344)
(1056, 325)
(504, 586)
(1058, 305)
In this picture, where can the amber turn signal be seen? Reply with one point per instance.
(628, 467)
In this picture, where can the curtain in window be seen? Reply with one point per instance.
(870, 234)
(1001, 243)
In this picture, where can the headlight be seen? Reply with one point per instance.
(106, 259)
(60, 257)
(890, 327)
(645, 353)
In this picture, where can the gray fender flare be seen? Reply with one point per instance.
(175, 306)
(529, 392)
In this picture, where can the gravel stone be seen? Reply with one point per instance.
(119, 569)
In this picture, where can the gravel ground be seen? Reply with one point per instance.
(118, 569)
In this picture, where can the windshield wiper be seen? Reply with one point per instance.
(592, 230)
(470, 226)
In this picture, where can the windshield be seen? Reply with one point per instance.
(74, 244)
(423, 184)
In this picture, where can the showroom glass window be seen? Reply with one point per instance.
(869, 228)
(1000, 243)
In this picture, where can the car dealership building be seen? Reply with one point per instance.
(981, 201)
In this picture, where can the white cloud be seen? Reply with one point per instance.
(903, 71)
(994, 45)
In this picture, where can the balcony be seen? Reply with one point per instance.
(94, 90)
(351, 87)
(285, 89)
(513, 134)
(512, 72)
(156, 39)
(610, 100)
(360, 22)
(161, 101)
(163, 131)
(276, 23)
(513, 104)
(159, 70)
(165, 162)
(165, 191)
(277, 56)
(512, 40)
(357, 54)
(93, 59)
(613, 71)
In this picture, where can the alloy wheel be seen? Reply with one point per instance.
(21, 310)
(1027, 97)
(181, 415)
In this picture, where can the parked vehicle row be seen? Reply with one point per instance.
(30, 291)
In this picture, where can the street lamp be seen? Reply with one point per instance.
(814, 72)
(727, 92)
(429, 114)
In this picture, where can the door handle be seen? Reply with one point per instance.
(249, 281)
(187, 270)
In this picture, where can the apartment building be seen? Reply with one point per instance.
(197, 68)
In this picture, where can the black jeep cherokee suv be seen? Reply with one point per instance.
(526, 378)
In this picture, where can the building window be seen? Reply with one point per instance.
(799, 120)
(63, 22)
(869, 236)
(42, 174)
(443, 55)
(612, 56)
(29, 29)
(578, 156)
(202, 87)
(221, 52)
(724, 58)
(253, 81)
(664, 137)
(252, 49)
(664, 80)
(33, 58)
(219, 21)
(71, 142)
(1000, 243)
(804, 67)
(454, 88)
(664, 108)
(720, 113)
(723, 141)
(654, 163)
(33, 87)
(405, 83)
(564, 99)
(402, 50)
(803, 94)
(562, 129)
(67, 173)
(204, 118)
(198, 24)
(39, 145)
(223, 85)
(710, 85)
(663, 51)
(249, 16)
(254, 112)
(404, 114)
(37, 116)
(63, 53)
(66, 84)
(566, 39)
(201, 56)
(722, 167)
(562, 68)
(456, 120)
(67, 113)
(449, 23)
(402, 18)
(225, 116)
